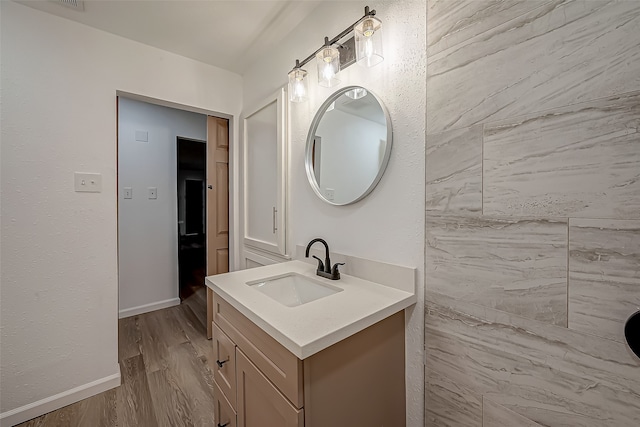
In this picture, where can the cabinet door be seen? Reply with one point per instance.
(224, 414)
(224, 369)
(260, 404)
(265, 160)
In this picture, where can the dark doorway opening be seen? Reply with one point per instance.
(191, 175)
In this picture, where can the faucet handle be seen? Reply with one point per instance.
(320, 263)
(335, 273)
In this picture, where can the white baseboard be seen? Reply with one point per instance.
(57, 401)
(128, 312)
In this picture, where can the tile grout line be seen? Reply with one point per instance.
(568, 258)
(482, 171)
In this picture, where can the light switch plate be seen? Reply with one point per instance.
(153, 193)
(142, 136)
(87, 182)
(128, 193)
(330, 193)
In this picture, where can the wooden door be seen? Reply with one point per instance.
(218, 195)
(217, 204)
(260, 404)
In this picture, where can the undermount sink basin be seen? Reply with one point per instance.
(293, 289)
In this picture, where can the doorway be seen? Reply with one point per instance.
(165, 206)
(191, 177)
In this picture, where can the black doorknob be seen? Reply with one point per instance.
(210, 187)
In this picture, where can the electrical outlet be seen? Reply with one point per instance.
(128, 193)
(330, 193)
(153, 193)
(87, 182)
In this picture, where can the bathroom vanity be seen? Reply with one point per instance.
(295, 349)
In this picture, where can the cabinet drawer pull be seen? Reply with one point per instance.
(223, 425)
(220, 364)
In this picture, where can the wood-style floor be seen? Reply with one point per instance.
(166, 378)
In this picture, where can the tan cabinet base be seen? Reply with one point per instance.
(357, 382)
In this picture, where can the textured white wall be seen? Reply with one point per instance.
(148, 229)
(388, 225)
(59, 287)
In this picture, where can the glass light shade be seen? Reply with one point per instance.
(298, 85)
(368, 33)
(356, 93)
(328, 60)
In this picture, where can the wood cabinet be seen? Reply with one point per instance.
(359, 381)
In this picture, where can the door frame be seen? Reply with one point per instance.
(234, 168)
(204, 189)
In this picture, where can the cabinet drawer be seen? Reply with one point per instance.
(224, 368)
(224, 415)
(260, 404)
(279, 365)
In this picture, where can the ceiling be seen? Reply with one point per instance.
(228, 34)
(368, 108)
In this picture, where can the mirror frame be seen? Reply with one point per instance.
(310, 136)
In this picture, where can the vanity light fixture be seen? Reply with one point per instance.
(334, 55)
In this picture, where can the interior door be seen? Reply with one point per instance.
(218, 195)
(217, 204)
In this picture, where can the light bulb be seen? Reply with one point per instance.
(368, 28)
(368, 48)
(299, 90)
(328, 73)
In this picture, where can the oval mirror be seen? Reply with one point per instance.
(348, 146)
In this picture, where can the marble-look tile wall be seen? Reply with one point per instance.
(549, 374)
(604, 275)
(533, 212)
(517, 265)
(494, 415)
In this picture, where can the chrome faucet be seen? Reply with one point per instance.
(325, 269)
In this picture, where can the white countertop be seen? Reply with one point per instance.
(309, 328)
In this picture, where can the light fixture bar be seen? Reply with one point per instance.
(334, 40)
